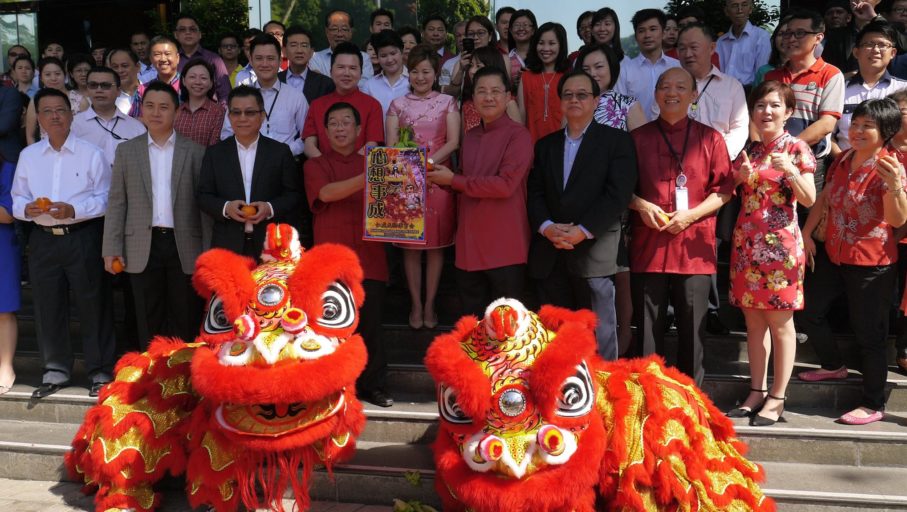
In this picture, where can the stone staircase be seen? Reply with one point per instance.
(812, 463)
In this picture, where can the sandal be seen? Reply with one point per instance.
(758, 420)
(5, 389)
(745, 412)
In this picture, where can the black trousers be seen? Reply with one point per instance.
(901, 343)
(370, 315)
(165, 302)
(64, 264)
(594, 293)
(869, 295)
(479, 288)
(689, 293)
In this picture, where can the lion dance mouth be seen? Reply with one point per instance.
(273, 420)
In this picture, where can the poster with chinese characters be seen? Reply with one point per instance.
(395, 195)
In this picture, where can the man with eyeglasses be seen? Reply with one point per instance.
(277, 29)
(338, 28)
(65, 245)
(103, 124)
(297, 44)
(247, 169)
(874, 50)
(334, 182)
(153, 225)
(578, 189)
(492, 224)
(744, 48)
(189, 36)
(818, 87)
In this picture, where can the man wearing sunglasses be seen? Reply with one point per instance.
(103, 124)
(12, 54)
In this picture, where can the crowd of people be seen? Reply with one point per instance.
(600, 180)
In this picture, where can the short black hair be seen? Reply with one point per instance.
(380, 12)
(18, 46)
(596, 90)
(491, 71)
(140, 31)
(245, 91)
(701, 26)
(79, 58)
(342, 105)
(347, 48)
(327, 17)
(264, 40)
(157, 85)
(105, 69)
(44, 61)
(502, 11)
(230, 35)
(295, 30)
(275, 22)
(128, 51)
(878, 27)
(413, 31)
(186, 16)
(581, 17)
(26, 59)
(691, 11)
(434, 17)
(648, 14)
(250, 32)
(386, 37)
(50, 42)
(162, 40)
(886, 114)
(45, 92)
(198, 61)
(817, 22)
(610, 54)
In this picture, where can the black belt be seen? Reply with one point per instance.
(65, 229)
(161, 230)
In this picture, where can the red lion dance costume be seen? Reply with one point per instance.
(532, 420)
(265, 393)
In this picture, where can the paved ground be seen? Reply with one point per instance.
(30, 496)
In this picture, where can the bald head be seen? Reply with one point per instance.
(674, 93)
(675, 74)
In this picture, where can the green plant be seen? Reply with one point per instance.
(215, 18)
(763, 15)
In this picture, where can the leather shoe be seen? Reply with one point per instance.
(46, 389)
(96, 388)
(713, 325)
(378, 397)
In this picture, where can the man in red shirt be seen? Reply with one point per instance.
(333, 184)
(346, 70)
(493, 224)
(684, 177)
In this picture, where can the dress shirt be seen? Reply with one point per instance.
(246, 76)
(741, 57)
(638, 76)
(147, 72)
(372, 118)
(571, 148)
(297, 81)
(855, 92)
(247, 165)
(161, 160)
(77, 174)
(321, 63)
(380, 88)
(285, 111)
(221, 75)
(91, 127)
(447, 70)
(708, 170)
(124, 101)
(492, 220)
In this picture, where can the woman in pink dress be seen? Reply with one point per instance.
(435, 122)
(768, 261)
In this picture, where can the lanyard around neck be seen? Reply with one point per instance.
(677, 157)
(110, 130)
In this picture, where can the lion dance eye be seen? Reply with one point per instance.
(449, 408)
(338, 310)
(217, 322)
(577, 395)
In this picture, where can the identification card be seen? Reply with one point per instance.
(681, 199)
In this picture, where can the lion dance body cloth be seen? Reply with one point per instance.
(265, 393)
(532, 419)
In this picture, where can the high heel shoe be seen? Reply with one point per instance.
(743, 412)
(761, 421)
(415, 321)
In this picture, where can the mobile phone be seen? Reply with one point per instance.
(469, 44)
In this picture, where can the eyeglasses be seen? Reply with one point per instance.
(53, 112)
(796, 34)
(477, 33)
(334, 125)
(192, 29)
(579, 96)
(106, 86)
(876, 46)
(245, 113)
(229, 46)
(899, 11)
(294, 46)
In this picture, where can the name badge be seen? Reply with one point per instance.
(681, 199)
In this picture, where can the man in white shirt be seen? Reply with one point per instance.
(61, 185)
(338, 27)
(285, 106)
(744, 48)
(103, 124)
(152, 198)
(393, 81)
(639, 74)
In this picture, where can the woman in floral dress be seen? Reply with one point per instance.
(767, 260)
(435, 122)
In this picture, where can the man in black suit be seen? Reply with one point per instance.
(297, 46)
(578, 189)
(246, 170)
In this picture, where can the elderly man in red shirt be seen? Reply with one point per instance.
(333, 185)
(684, 177)
(493, 224)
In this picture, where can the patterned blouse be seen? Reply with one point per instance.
(612, 109)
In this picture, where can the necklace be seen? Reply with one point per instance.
(547, 83)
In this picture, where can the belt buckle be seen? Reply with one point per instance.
(58, 231)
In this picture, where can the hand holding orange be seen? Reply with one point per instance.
(43, 203)
(117, 266)
(248, 210)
